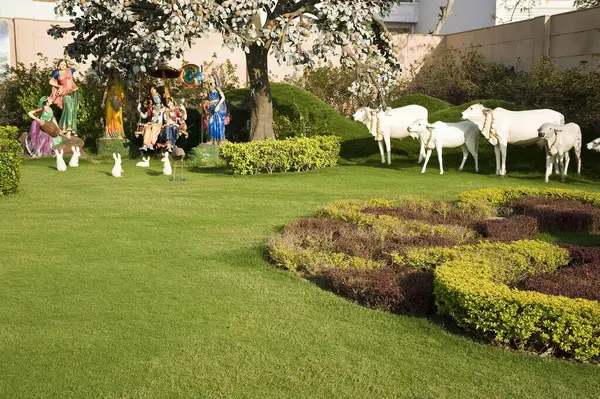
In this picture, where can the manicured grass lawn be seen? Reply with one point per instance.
(140, 287)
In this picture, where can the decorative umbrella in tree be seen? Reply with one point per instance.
(165, 72)
(147, 33)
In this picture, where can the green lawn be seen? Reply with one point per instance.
(140, 287)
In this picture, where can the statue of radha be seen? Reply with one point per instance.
(113, 102)
(65, 94)
(217, 113)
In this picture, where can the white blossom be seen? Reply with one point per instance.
(138, 35)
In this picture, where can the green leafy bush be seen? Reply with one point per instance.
(299, 123)
(330, 84)
(294, 154)
(10, 160)
(9, 132)
(476, 291)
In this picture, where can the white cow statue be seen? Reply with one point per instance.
(390, 124)
(501, 127)
(559, 141)
(447, 135)
(594, 145)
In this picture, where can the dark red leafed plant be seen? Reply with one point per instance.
(558, 214)
(397, 290)
(519, 228)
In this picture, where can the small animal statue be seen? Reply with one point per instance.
(145, 163)
(560, 139)
(61, 166)
(117, 170)
(74, 162)
(167, 171)
(594, 145)
(440, 135)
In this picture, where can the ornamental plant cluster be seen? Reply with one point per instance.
(10, 160)
(477, 262)
(291, 155)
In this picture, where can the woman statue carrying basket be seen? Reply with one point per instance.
(65, 94)
(44, 131)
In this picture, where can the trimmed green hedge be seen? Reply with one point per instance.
(488, 201)
(295, 154)
(10, 161)
(476, 291)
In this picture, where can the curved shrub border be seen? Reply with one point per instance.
(476, 291)
(402, 256)
(489, 201)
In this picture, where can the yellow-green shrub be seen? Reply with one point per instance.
(488, 200)
(287, 252)
(476, 291)
(10, 160)
(290, 155)
(385, 225)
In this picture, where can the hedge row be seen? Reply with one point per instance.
(477, 292)
(290, 155)
(10, 160)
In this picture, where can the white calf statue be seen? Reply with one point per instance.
(594, 145)
(390, 124)
(559, 140)
(447, 135)
(501, 127)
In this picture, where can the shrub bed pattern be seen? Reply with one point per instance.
(291, 155)
(475, 260)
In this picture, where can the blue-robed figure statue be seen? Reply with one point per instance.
(217, 112)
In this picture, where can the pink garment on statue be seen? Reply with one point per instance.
(39, 144)
(66, 82)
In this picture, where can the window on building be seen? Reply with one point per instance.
(4, 44)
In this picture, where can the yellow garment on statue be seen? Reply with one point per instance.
(114, 111)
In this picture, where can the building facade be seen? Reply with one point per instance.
(421, 16)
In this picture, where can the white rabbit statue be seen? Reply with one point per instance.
(145, 163)
(167, 171)
(117, 170)
(74, 162)
(61, 166)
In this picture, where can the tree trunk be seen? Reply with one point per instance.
(261, 106)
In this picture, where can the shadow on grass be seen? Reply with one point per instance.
(153, 173)
(218, 170)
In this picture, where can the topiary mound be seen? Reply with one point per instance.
(288, 100)
(453, 114)
(431, 103)
(477, 260)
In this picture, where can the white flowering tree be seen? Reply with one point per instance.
(138, 35)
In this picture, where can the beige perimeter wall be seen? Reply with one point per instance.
(568, 38)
